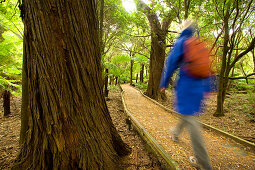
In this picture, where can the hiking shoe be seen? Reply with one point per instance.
(174, 136)
(193, 161)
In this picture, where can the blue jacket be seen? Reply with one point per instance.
(189, 91)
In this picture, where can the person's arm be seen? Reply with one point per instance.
(172, 63)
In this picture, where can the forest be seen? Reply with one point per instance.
(62, 64)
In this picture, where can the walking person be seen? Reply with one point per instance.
(190, 91)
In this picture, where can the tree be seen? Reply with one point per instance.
(234, 15)
(10, 53)
(118, 68)
(159, 32)
(169, 11)
(69, 126)
(113, 22)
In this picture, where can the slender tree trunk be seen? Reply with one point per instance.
(2, 30)
(6, 102)
(136, 79)
(111, 80)
(69, 126)
(253, 56)
(146, 72)
(101, 25)
(131, 71)
(106, 91)
(246, 79)
(116, 80)
(230, 81)
(223, 77)
(141, 73)
(25, 96)
(223, 82)
(186, 8)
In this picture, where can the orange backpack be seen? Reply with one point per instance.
(196, 58)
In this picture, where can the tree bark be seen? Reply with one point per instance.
(253, 56)
(157, 57)
(106, 91)
(186, 8)
(69, 126)
(222, 78)
(101, 25)
(158, 46)
(227, 63)
(131, 71)
(25, 97)
(6, 102)
(111, 80)
(116, 80)
(141, 73)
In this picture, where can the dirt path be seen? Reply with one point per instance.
(224, 152)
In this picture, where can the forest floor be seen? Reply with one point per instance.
(138, 159)
(236, 121)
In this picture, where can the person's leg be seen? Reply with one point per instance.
(178, 129)
(197, 142)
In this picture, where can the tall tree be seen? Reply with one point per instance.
(159, 32)
(10, 53)
(235, 15)
(69, 126)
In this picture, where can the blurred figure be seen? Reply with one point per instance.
(190, 91)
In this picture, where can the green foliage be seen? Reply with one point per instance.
(250, 106)
(11, 47)
(10, 17)
(119, 67)
(139, 20)
(121, 59)
(141, 59)
(141, 86)
(241, 85)
(10, 63)
(113, 88)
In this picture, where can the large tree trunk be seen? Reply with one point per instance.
(157, 58)
(158, 45)
(6, 102)
(69, 126)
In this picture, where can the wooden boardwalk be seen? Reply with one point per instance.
(224, 152)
